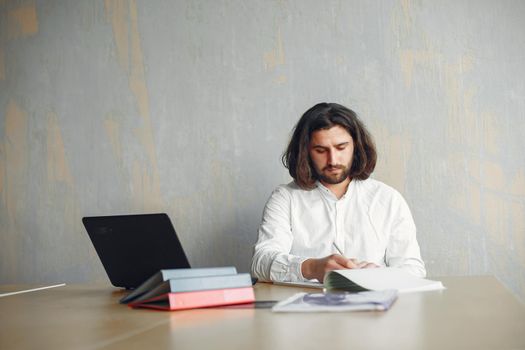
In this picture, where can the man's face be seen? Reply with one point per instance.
(331, 151)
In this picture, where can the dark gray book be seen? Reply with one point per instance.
(192, 284)
(164, 275)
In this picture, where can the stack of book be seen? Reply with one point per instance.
(180, 289)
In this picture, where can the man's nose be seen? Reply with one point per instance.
(331, 158)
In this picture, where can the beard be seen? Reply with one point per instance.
(332, 179)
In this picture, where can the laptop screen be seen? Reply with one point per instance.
(134, 247)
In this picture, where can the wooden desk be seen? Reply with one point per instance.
(473, 313)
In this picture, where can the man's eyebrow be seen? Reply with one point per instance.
(326, 147)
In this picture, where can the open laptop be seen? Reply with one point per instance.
(134, 247)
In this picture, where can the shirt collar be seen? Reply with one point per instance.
(330, 195)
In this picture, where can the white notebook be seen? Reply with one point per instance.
(357, 280)
(337, 302)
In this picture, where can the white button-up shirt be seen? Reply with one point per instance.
(371, 222)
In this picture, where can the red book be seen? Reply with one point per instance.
(198, 299)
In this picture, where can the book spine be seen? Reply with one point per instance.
(190, 300)
(200, 299)
(197, 272)
(209, 283)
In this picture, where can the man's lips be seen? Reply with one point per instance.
(333, 169)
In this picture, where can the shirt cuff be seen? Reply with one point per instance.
(287, 268)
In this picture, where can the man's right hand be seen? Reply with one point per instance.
(316, 268)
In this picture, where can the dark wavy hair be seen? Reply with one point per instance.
(324, 116)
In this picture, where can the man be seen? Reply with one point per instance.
(333, 216)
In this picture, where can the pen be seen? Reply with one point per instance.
(31, 290)
(337, 248)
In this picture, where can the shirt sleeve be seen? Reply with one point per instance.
(402, 249)
(272, 260)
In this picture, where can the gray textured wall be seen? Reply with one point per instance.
(185, 107)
